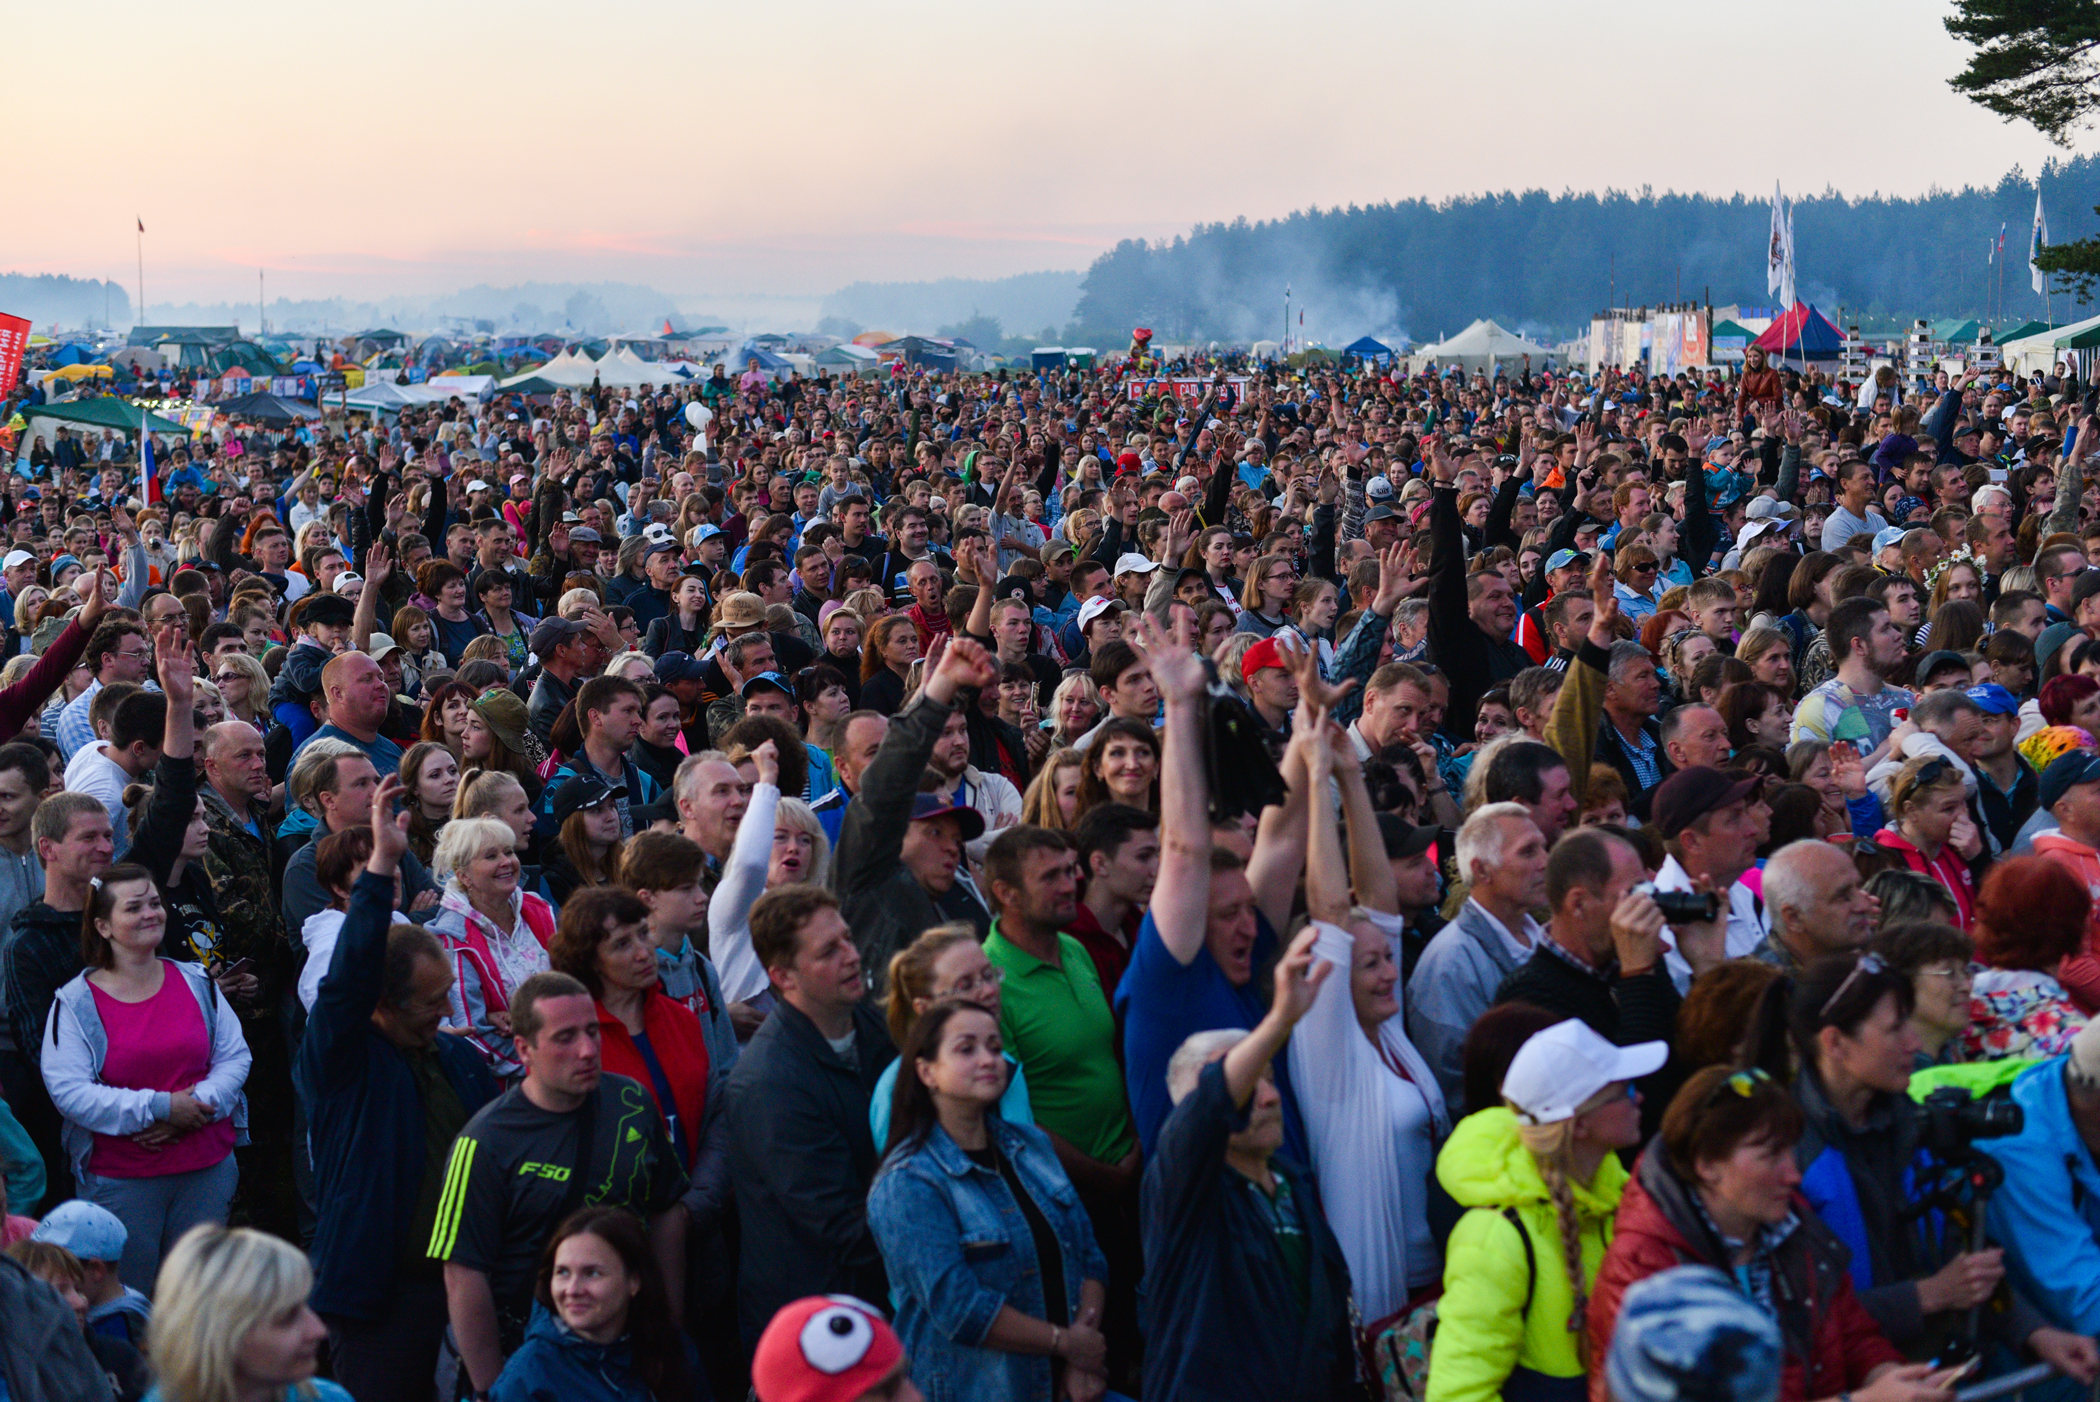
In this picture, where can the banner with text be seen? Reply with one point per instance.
(14, 341)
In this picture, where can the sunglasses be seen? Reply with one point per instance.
(1869, 964)
(1744, 1083)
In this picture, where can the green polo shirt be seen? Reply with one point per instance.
(1057, 1021)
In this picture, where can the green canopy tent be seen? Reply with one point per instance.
(1955, 332)
(104, 413)
(2026, 328)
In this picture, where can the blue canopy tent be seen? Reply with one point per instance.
(1368, 348)
(766, 360)
(1802, 334)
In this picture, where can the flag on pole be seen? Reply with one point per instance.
(1779, 256)
(142, 224)
(1775, 255)
(2038, 236)
(149, 480)
(1786, 286)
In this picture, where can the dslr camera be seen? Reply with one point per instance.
(1682, 907)
(1953, 1120)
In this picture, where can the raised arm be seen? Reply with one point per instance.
(1370, 873)
(1326, 880)
(1181, 893)
(379, 566)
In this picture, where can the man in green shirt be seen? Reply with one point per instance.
(1055, 1018)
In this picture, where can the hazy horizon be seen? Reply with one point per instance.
(787, 153)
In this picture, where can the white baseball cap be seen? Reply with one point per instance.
(17, 557)
(1094, 608)
(1130, 562)
(1561, 1067)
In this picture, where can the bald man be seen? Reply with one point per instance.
(358, 696)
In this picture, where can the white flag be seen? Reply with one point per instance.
(1786, 274)
(1775, 255)
(2035, 240)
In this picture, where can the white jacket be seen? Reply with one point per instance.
(76, 1045)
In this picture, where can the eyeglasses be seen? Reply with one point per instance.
(1953, 973)
(970, 985)
(1868, 964)
(221, 678)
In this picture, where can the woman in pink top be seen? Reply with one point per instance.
(145, 1059)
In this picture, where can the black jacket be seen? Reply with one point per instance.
(366, 1127)
(801, 1159)
(1219, 1312)
(878, 895)
(1470, 658)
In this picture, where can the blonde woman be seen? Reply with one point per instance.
(1930, 831)
(246, 687)
(1052, 800)
(1540, 1179)
(637, 667)
(495, 934)
(779, 842)
(231, 1322)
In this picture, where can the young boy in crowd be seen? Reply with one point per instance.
(96, 1236)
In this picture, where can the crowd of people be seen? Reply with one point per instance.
(1178, 882)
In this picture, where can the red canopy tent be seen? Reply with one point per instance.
(1803, 333)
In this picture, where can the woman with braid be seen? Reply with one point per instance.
(1540, 1178)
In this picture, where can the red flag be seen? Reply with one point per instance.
(667, 326)
(14, 340)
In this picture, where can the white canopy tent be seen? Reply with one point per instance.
(1481, 345)
(2043, 349)
(380, 396)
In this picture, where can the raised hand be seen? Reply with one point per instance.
(1298, 978)
(1176, 669)
(964, 662)
(1604, 626)
(1395, 574)
(767, 758)
(389, 829)
(379, 565)
(1304, 665)
(172, 661)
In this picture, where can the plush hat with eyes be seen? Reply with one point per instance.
(826, 1348)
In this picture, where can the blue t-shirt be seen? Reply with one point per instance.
(1162, 1003)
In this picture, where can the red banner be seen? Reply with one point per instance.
(14, 340)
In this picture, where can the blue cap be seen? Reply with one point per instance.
(88, 1230)
(1994, 699)
(1688, 1334)
(772, 679)
(2066, 772)
(679, 667)
(62, 561)
(1561, 559)
(706, 530)
(1887, 536)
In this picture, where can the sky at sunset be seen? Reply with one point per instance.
(793, 147)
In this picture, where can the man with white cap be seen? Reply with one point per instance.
(18, 570)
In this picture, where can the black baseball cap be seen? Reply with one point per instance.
(1692, 793)
(1404, 839)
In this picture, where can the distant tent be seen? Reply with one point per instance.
(103, 413)
(858, 360)
(771, 362)
(380, 396)
(1803, 333)
(73, 353)
(924, 352)
(1955, 332)
(2025, 328)
(267, 409)
(1368, 348)
(1482, 343)
(2041, 350)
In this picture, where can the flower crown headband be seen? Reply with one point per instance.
(1962, 556)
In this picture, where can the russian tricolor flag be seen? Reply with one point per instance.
(149, 479)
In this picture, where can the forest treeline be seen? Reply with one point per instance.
(1546, 263)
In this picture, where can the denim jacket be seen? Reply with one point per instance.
(958, 1248)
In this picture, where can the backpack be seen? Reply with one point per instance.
(1396, 1349)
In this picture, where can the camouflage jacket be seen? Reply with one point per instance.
(251, 922)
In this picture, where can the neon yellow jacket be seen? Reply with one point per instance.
(1487, 1345)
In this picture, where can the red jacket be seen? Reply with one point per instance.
(1947, 868)
(681, 1049)
(2080, 974)
(1832, 1343)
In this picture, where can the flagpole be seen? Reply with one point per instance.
(140, 319)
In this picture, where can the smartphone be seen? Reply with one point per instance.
(236, 968)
